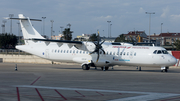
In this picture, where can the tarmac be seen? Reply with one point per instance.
(46, 82)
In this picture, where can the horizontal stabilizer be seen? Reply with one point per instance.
(22, 19)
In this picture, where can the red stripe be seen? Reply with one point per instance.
(61, 95)
(18, 96)
(79, 93)
(178, 62)
(100, 93)
(35, 80)
(39, 94)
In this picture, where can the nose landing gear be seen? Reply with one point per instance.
(164, 69)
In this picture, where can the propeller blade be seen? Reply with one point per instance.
(102, 42)
(97, 56)
(103, 51)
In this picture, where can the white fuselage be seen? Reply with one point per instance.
(115, 54)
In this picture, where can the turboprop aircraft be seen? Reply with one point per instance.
(92, 54)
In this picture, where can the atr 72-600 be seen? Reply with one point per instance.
(92, 54)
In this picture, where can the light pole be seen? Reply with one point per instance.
(43, 24)
(150, 22)
(11, 15)
(161, 33)
(61, 29)
(3, 26)
(69, 25)
(52, 28)
(108, 27)
(18, 35)
(18, 32)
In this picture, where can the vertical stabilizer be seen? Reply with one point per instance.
(27, 29)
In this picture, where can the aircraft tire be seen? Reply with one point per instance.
(85, 67)
(106, 68)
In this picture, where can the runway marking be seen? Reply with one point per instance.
(18, 96)
(61, 95)
(79, 93)
(35, 80)
(39, 94)
(100, 93)
(144, 97)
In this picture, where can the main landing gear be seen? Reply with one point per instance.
(164, 69)
(138, 68)
(104, 68)
(85, 67)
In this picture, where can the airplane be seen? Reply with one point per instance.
(92, 54)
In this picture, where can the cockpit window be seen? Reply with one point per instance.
(160, 52)
(155, 51)
(164, 52)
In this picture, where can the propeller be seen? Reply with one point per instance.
(98, 47)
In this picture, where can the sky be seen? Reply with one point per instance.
(88, 16)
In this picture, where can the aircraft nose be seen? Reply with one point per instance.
(173, 60)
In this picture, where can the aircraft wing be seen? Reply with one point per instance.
(77, 44)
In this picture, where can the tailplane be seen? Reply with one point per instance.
(27, 29)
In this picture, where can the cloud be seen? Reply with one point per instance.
(141, 10)
(165, 12)
(175, 17)
(103, 18)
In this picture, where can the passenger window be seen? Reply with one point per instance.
(83, 52)
(80, 52)
(86, 52)
(155, 52)
(124, 53)
(121, 53)
(74, 51)
(114, 53)
(127, 53)
(134, 54)
(67, 51)
(77, 51)
(58, 51)
(64, 51)
(117, 53)
(110, 53)
(70, 51)
(159, 52)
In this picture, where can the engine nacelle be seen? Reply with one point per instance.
(102, 63)
(86, 46)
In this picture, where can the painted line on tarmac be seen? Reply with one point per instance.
(39, 94)
(100, 93)
(36, 80)
(146, 95)
(61, 95)
(18, 96)
(79, 93)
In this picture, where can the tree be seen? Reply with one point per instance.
(8, 41)
(93, 37)
(121, 38)
(67, 34)
(177, 44)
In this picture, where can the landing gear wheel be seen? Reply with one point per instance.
(164, 70)
(106, 68)
(85, 67)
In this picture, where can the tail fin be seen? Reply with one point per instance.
(27, 29)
